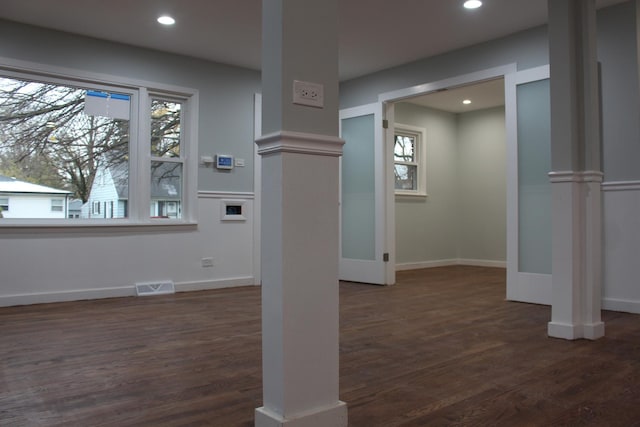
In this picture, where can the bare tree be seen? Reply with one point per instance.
(44, 126)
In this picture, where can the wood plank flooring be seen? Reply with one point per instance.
(441, 348)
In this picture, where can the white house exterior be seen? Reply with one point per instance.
(20, 199)
(109, 196)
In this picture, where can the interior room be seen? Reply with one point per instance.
(462, 217)
(226, 213)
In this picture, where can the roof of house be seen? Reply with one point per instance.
(13, 185)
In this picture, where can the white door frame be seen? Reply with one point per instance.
(526, 287)
(388, 99)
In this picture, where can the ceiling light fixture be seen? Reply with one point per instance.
(166, 20)
(472, 4)
(466, 102)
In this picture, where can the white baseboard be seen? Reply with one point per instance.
(626, 306)
(449, 262)
(203, 285)
(426, 264)
(116, 292)
(483, 263)
(62, 296)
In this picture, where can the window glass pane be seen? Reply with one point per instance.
(165, 128)
(404, 149)
(55, 140)
(406, 177)
(166, 190)
(358, 188)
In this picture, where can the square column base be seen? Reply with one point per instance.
(565, 331)
(335, 416)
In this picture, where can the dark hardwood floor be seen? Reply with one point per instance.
(441, 348)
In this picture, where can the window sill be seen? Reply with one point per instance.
(410, 195)
(8, 225)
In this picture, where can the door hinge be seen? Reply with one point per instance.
(385, 257)
(385, 124)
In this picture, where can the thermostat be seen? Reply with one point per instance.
(224, 161)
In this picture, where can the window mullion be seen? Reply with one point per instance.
(140, 193)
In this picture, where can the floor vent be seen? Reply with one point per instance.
(155, 288)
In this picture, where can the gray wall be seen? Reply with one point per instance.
(617, 53)
(426, 227)
(528, 49)
(226, 93)
(482, 202)
(464, 214)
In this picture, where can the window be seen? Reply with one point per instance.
(166, 158)
(88, 138)
(4, 204)
(409, 160)
(57, 205)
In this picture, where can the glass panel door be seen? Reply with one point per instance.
(528, 114)
(362, 210)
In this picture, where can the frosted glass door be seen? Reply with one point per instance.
(362, 195)
(534, 188)
(528, 114)
(358, 188)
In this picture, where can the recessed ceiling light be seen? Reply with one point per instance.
(472, 4)
(166, 20)
(466, 102)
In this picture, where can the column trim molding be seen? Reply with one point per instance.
(576, 176)
(300, 143)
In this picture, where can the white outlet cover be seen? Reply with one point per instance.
(309, 94)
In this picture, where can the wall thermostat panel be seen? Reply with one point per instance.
(224, 162)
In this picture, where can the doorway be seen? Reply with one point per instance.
(455, 141)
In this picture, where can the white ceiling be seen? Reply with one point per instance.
(374, 34)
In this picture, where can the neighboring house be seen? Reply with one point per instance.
(20, 199)
(109, 196)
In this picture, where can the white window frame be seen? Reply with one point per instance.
(57, 203)
(419, 133)
(4, 206)
(141, 93)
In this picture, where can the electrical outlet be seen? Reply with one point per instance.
(309, 94)
(207, 262)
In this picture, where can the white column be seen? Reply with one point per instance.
(576, 178)
(300, 153)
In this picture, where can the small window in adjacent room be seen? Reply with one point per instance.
(409, 156)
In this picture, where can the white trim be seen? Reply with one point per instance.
(257, 188)
(621, 186)
(627, 306)
(482, 263)
(226, 195)
(477, 76)
(405, 266)
(301, 143)
(450, 262)
(117, 292)
(203, 285)
(573, 176)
